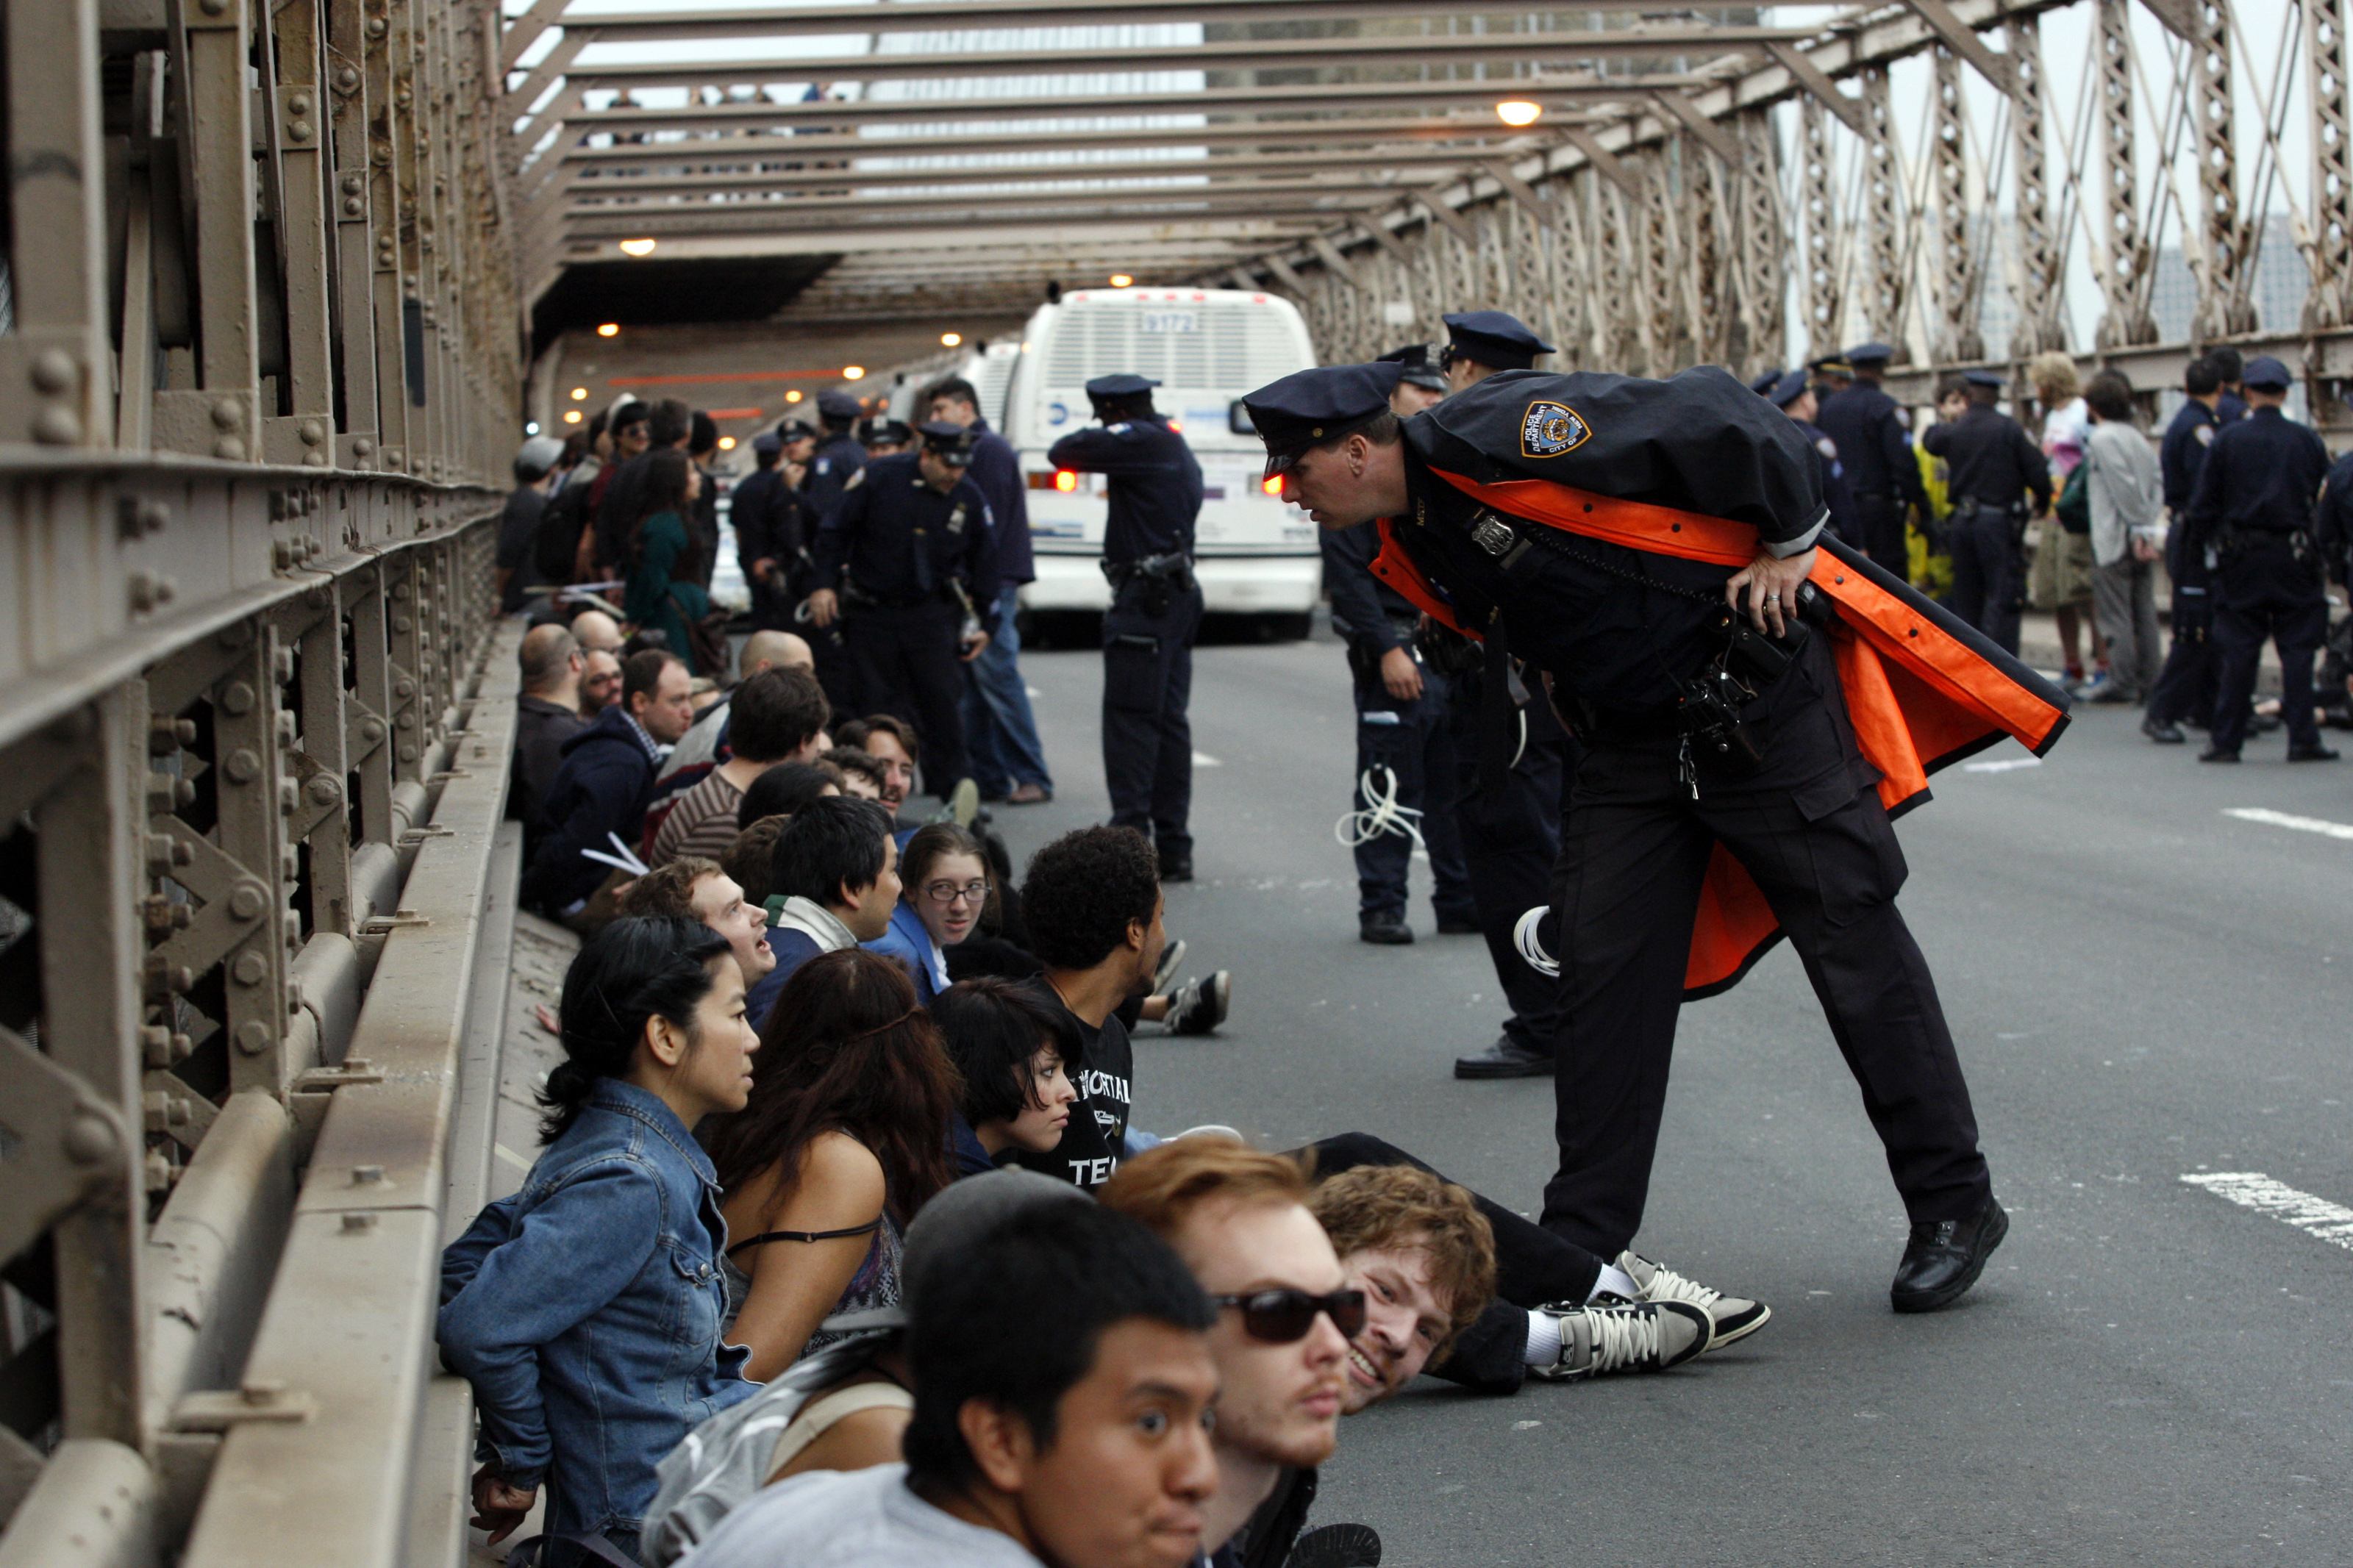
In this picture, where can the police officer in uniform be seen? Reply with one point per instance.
(908, 563)
(1421, 381)
(2185, 687)
(1831, 375)
(764, 512)
(1790, 394)
(1873, 442)
(1155, 495)
(1478, 344)
(884, 438)
(840, 454)
(1992, 464)
(2252, 510)
(1638, 639)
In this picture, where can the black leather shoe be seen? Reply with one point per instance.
(2217, 754)
(1176, 868)
(2163, 734)
(2314, 753)
(1505, 1059)
(1945, 1257)
(1384, 931)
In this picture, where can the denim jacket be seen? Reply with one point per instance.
(586, 1312)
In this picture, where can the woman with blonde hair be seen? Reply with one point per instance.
(2060, 578)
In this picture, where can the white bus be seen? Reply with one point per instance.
(1206, 347)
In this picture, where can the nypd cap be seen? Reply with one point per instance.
(884, 432)
(2265, 373)
(1984, 378)
(835, 404)
(792, 430)
(1764, 385)
(1788, 390)
(1418, 367)
(767, 443)
(1495, 338)
(1120, 385)
(1832, 364)
(1309, 407)
(950, 443)
(1869, 353)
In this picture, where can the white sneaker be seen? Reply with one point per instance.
(1732, 1317)
(1638, 1336)
(1172, 963)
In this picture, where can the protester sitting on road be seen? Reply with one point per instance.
(843, 1139)
(1063, 1401)
(776, 716)
(837, 869)
(889, 740)
(596, 802)
(943, 883)
(1239, 1219)
(586, 1309)
(547, 714)
(693, 889)
(751, 860)
(786, 789)
(600, 682)
(861, 775)
(1013, 1052)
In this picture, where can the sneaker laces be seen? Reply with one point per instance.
(1623, 1337)
(1666, 1285)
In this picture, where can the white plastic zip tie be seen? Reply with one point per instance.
(1382, 814)
(1531, 946)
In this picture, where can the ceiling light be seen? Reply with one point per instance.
(853, 373)
(572, 417)
(637, 247)
(950, 340)
(531, 428)
(610, 330)
(1120, 280)
(794, 396)
(727, 443)
(1518, 112)
(579, 394)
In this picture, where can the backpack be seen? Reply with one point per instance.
(2075, 508)
(717, 1467)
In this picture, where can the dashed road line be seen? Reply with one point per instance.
(2315, 1216)
(1203, 759)
(2002, 765)
(2319, 824)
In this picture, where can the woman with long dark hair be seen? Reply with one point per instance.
(844, 1138)
(664, 562)
(586, 1308)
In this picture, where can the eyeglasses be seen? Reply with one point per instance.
(949, 892)
(1283, 1317)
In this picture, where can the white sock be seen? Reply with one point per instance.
(1544, 1339)
(1617, 1281)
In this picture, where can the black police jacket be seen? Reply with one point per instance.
(899, 541)
(831, 468)
(1155, 485)
(765, 514)
(1837, 487)
(2262, 477)
(1989, 460)
(1868, 427)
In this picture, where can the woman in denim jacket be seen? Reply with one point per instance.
(585, 1309)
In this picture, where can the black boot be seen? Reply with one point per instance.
(1945, 1257)
(1505, 1059)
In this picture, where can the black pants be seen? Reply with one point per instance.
(2185, 687)
(1147, 735)
(903, 662)
(1413, 743)
(1511, 836)
(1882, 517)
(1989, 571)
(1808, 827)
(1533, 1267)
(2264, 591)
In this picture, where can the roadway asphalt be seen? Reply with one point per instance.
(2143, 986)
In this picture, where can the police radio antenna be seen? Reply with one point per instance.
(1382, 814)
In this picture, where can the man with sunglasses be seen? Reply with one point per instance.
(1240, 1220)
(907, 562)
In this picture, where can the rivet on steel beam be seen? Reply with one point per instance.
(153, 515)
(312, 432)
(372, 730)
(89, 1139)
(347, 79)
(325, 791)
(260, 1391)
(226, 415)
(253, 1036)
(144, 589)
(281, 555)
(362, 448)
(249, 969)
(366, 1175)
(163, 792)
(236, 697)
(285, 720)
(299, 131)
(408, 752)
(286, 797)
(281, 667)
(229, 449)
(404, 688)
(242, 766)
(247, 900)
(354, 1222)
(53, 372)
(55, 425)
(215, 7)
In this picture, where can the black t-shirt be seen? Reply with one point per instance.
(1097, 1136)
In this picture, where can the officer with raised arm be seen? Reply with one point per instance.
(1155, 495)
(1651, 549)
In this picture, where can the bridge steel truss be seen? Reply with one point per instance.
(260, 371)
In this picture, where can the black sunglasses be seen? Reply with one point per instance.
(1283, 1317)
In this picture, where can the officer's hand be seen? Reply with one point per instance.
(823, 607)
(974, 647)
(761, 567)
(1400, 675)
(1772, 583)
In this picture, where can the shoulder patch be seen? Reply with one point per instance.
(822, 466)
(1121, 428)
(1902, 416)
(856, 478)
(1548, 429)
(1827, 448)
(2204, 435)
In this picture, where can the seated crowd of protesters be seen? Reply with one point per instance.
(849, 1242)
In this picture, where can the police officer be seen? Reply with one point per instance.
(2185, 687)
(839, 456)
(1421, 381)
(1155, 610)
(2252, 510)
(1992, 465)
(1481, 343)
(884, 438)
(1831, 375)
(908, 563)
(1875, 444)
(765, 514)
(1629, 617)
(1790, 394)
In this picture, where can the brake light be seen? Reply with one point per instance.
(1176, 424)
(1272, 487)
(1065, 480)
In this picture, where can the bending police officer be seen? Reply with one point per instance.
(1154, 501)
(1993, 464)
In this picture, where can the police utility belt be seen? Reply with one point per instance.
(1162, 578)
(2233, 543)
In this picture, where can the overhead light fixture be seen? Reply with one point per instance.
(531, 426)
(637, 247)
(610, 330)
(1120, 280)
(853, 373)
(579, 394)
(794, 396)
(572, 417)
(1518, 112)
(950, 340)
(727, 443)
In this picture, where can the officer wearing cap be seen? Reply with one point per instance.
(1630, 616)
(1831, 375)
(1421, 380)
(2251, 539)
(765, 513)
(1992, 465)
(1874, 443)
(883, 437)
(1153, 492)
(2185, 687)
(908, 563)
(1481, 343)
(839, 455)
(1790, 394)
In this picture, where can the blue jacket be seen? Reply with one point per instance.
(997, 470)
(601, 787)
(792, 948)
(585, 1310)
(908, 942)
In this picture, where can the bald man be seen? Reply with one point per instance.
(776, 650)
(597, 632)
(547, 715)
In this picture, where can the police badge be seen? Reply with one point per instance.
(1548, 429)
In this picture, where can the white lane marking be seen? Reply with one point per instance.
(2314, 1216)
(1032, 693)
(2002, 765)
(511, 1157)
(2282, 819)
(1203, 759)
